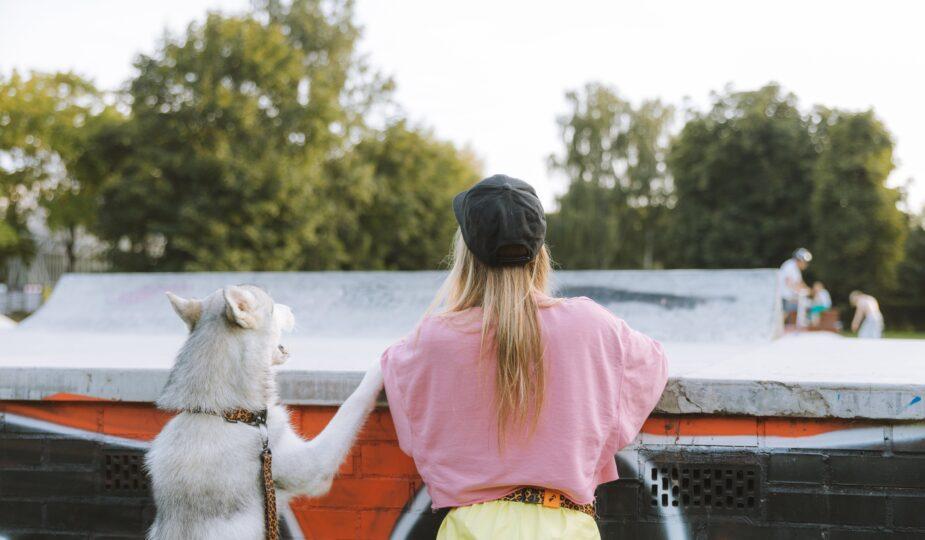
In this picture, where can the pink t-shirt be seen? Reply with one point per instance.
(602, 381)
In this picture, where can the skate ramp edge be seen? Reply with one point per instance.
(726, 306)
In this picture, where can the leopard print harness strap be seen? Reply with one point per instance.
(258, 420)
(549, 498)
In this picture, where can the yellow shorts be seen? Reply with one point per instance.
(504, 520)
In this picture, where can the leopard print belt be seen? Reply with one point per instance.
(549, 498)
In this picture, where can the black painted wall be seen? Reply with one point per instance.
(812, 494)
(61, 487)
(57, 487)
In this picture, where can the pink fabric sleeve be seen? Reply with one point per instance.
(396, 400)
(645, 372)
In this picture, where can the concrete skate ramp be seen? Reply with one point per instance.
(114, 336)
(729, 306)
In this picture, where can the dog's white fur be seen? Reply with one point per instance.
(206, 471)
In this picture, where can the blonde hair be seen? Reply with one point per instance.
(510, 298)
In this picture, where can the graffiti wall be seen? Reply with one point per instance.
(73, 464)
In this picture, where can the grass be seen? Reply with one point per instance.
(903, 334)
(895, 334)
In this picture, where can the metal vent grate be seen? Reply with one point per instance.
(124, 472)
(728, 489)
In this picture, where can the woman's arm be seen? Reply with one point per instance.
(858, 317)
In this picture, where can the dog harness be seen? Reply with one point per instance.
(258, 420)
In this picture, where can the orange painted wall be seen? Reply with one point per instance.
(377, 479)
(366, 499)
(373, 485)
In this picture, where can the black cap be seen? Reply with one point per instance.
(502, 221)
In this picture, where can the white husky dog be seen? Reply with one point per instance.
(206, 470)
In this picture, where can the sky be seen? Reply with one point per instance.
(492, 74)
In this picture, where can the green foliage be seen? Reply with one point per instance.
(246, 148)
(742, 173)
(14, 239)
(408, 223)
(240, 145)
(905, 308)
(614, 210)
(859, 231)
(48, 121)
(912, 269)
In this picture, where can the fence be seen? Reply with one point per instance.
(28, 284)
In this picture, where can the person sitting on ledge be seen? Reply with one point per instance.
(511, 402)
(868, 321)
(822, 302)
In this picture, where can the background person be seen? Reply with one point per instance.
(822, 302)
(868, 321)
(793, 289)
(511, 402)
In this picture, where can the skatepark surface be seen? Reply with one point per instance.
(6, 323)
(114, 336)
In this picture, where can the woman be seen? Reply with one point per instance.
(512, 403)
(868, 321)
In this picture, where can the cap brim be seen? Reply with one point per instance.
(458, 207)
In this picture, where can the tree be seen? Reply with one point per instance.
(408, 223)
(619, 191)
(859, 231)
(48, 121)
(911, 272)
(72, 204)
(742, 175)
(240, 145)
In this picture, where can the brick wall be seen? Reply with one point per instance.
(372, 487)
(810, 478)
(813, 479)
(53, 484)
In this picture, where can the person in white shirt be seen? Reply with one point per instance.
(790, 282)
(868, 321)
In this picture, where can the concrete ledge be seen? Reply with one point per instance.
(804, 400)
(682, 395)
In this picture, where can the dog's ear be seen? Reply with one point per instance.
(242, 306)
(188, 309)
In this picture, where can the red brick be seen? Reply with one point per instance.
(349, 466)
(376, 524)
(325, 524)
(386, 459)
(373, 493)
(314, 419)
(379, 427)
(295, 418)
